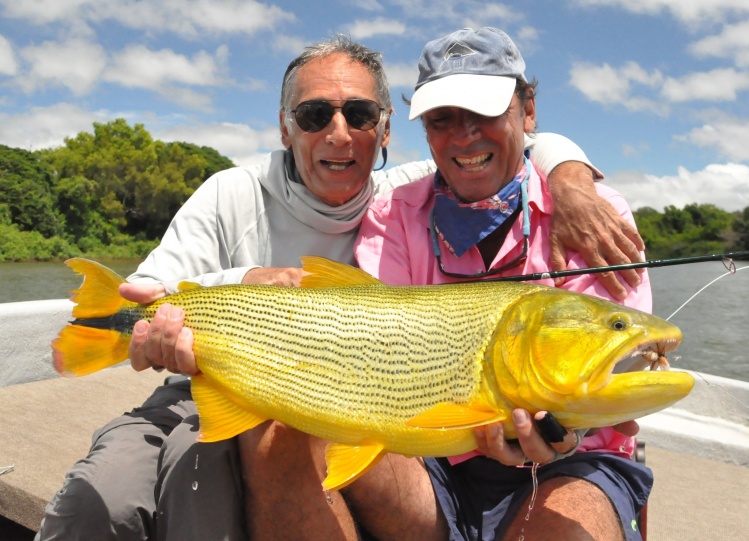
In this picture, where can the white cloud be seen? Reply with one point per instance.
(732, 42)
(47, 127)
(378, 26)
(689, 11)
(239, 142)
(75, 64)
(720, 84)
(8, 63)
(289, 44)
(140, 67)
(724, 185)
(189, 18)
(168, 73)
(614, 86)
(726, 133)
(42, 11)
(366, 5)
(402, 75)
(632, 151)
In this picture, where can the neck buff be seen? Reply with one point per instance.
(462, 225)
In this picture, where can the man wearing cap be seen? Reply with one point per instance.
(486, 212)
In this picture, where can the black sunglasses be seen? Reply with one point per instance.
(312, 116)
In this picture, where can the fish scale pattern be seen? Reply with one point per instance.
(363, 356)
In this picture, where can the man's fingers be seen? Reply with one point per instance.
(491, 441)
(142, 293)
(152, 347)
(183, 354)
(628, 428)
(612, 285)
(137, 346)
(531, 442)
(173, 325)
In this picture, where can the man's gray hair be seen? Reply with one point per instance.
(369, 58)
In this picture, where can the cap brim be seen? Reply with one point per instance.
(488, 95)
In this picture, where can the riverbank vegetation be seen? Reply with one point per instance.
(113, 192)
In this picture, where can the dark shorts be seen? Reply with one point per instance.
(480, 497)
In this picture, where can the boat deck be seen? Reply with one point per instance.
(47, 425)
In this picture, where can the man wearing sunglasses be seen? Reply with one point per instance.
(146, 477)
(485, 212)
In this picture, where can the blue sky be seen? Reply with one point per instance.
(655, 91)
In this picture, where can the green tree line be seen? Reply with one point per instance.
(110, 193)
(113, 192)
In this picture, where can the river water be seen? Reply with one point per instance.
(714, 323)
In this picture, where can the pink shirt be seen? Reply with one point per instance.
(395, 245)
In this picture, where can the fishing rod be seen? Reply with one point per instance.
(729, 256)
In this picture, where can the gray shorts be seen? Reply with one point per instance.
(480, 497)
(146, 477)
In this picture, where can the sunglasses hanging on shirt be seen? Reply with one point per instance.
(312, 116)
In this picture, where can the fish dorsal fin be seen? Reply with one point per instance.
(447, 415)
(322, 272)
(184, 285)
(346, 463)
(98, 295)
(220, 418)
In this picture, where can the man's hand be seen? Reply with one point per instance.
(530, 446)
(587, 224)
(165, 342)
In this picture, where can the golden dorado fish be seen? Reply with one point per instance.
(379, 369)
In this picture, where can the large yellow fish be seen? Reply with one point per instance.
(377, 369)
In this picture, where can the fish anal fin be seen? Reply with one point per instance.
(79, 351)
(346, 463)
(322, 272)
(220, 417)
(446, 415)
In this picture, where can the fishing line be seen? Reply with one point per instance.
(731, 270)
(731, 266)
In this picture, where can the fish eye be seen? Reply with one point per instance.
(618, 323)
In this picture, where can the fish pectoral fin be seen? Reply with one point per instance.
(346, 463)
(446, 415)
(220, 417)
(185, 285)
(322, 272)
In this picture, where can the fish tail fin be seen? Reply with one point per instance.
(82, 349)
(98, 296)
(79, 350)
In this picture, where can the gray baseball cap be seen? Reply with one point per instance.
(471, 69)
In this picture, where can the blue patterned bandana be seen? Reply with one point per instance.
(462, 225)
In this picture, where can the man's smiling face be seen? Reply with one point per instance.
(334, 163)
(477, 155)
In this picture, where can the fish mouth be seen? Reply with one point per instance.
(647, 356)
(637, 383)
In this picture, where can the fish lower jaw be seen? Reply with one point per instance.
(645, 356)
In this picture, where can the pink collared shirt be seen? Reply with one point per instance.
(395, 245)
